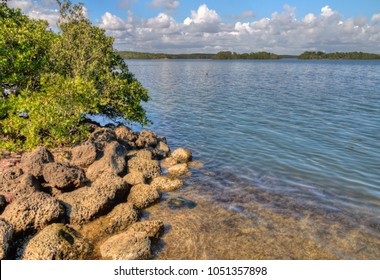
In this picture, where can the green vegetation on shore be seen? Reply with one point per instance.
(219, 55)
(228, 55)
(338, 55)
(50, 82)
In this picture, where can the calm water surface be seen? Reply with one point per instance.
(291, 153)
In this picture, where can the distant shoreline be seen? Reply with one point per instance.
(227, 55)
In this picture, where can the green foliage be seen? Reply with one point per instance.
(338, 55)
(234, 55)
(50, 82)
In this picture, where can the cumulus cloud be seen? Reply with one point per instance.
(168, 5)
(41, 9)
(205, 31)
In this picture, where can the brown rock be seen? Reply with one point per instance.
(179, 170)
(87, 203)
(119, 219)
(134, 178)
(57, 242)
(149, 168)
(181, 155)
(146, 139)
(134, 244)
(33, 212)
(112, 162)
(167, 162)
(19, 188)
(6, 235)
(34, 162)
(59, 175)
(126, 135)
(101, 137)
(144, 154)
(162, 150)
(143, 195)
(167, 183)
(83, 155)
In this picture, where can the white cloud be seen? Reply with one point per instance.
(168, 5)
(244, 15)
(375, 18)
(327, 12)
(203, 20)
(112, 22)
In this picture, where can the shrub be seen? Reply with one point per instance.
(50, 82)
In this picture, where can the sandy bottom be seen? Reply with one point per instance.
(208, 224)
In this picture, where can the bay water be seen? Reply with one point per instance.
(290, 152)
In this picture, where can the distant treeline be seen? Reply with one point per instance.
(253, 55)
(338, 55)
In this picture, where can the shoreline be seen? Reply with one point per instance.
(86, 202)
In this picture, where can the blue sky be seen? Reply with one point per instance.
(280, 26)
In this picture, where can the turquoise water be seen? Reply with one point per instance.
(307, 132)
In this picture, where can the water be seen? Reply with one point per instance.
(288, 140)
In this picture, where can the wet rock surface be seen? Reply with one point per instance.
(57, 242)
(85, 202)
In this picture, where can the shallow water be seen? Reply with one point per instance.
(290, 151)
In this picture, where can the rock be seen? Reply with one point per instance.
(87, 203)
(167, 162)
(149, 168)
(162, 150)
(83, 155)
(195, 164)
(6, 235)
(3, 203)
(134, 244)
(101, 137)
(181, 155)
(112, 162)
(180, 202)
(179, 170)
(19, 187)
(144, 154)
(146, 139)
(57, 242)
(126, 135)
(162, 139)
(34, 162)
(10, 174)
(143, 195)
(119, 219)
(167, 183)
(134, 178)
(33, 212)
(124, 246)
(61, 176)
(151, 229)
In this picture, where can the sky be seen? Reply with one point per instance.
(210, 26)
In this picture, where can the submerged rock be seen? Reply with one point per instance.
(61, 176)
(179, 170)
(180, 202)
(119, 219)
(34, 162)
(134, 244)
(143, 195)
(57, 242)
(6, 235)
(167, 183)
(33, 212)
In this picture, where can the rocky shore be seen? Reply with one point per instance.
(85, 202)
